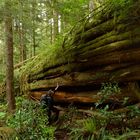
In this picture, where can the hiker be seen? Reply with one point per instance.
(47, 103)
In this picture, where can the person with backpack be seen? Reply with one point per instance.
(47, 103)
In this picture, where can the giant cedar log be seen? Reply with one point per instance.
(105, 48)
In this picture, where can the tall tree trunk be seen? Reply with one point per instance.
(22, 46)
(62, 23)
(22, 36)
(51, 32)
(9, 57)
(55, 17)
(33, 28)
(54, 22)
(34, 42)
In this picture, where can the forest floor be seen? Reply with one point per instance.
(87, 124)
(91, 124)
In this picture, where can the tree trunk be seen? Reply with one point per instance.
(22, 46)
(9, 57)
(22, 43)
(33, 12)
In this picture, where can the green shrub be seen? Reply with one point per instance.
(2, 115)
(84, 128)
(30, 122)
(108, 89)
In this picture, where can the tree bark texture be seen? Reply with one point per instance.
(9, 58)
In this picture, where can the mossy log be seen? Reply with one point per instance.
(102, 29)
(16, 66)
(115, 72)
(85, 54)
(105, 52)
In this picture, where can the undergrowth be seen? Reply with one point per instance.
(30, 122)
(107, 90)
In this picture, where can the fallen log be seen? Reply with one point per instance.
(88, 96)
(105, 52)
(20, 64)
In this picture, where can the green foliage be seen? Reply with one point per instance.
(72, 10)
(118, 6)
(2, 115)
(68, 117)
(108, 89)
(30, 121)
(89, 125)
(126, 136)
(2, 76)
(91, 129)
(135, 111)
(129, 135)
(125, 100)
(85, 127)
